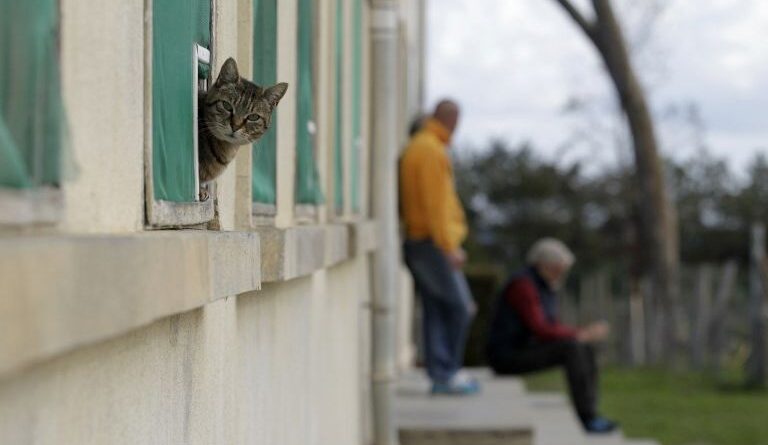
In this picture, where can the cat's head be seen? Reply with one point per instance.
(238, 111)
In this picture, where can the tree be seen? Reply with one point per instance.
(657, 224)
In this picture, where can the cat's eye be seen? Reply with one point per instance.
(226, 105)
(253, 117)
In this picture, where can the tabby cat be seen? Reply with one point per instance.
(234, 112)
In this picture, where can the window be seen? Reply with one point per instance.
(181, 48)
(264, 74)
(308, 190)
(31, 110)
(338, 145)
(357, 103)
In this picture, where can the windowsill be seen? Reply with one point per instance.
(264, 210)
(301, 250)
(305, 214)
(163, 214)
(30, 207)
(62, 292)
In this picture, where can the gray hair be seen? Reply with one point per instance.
(550, 251)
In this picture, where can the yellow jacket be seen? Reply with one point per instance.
(430, 206)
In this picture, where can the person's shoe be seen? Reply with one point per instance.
(460, 385)
(600, 425)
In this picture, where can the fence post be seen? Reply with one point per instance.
(654, 323)
(717, 329)
(637, 324)
(756, 365)
(702, 316)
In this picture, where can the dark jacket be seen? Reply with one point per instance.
(525, 312)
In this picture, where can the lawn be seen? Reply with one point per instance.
(676, 408)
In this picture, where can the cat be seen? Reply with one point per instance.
(232, 113)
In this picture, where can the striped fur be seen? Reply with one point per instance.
(233, 113)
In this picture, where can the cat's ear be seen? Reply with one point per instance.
(228, 73)
(274, 93)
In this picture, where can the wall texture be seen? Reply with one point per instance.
(280, 365)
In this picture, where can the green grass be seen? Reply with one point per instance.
(676, 408)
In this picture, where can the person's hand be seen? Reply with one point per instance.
(457, 258)
(596, 332)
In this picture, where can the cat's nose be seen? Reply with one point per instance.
(237, 124)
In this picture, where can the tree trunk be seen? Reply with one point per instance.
(658, 218)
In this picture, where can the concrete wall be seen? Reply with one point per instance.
(268, 367)
(102, 56)
(112, 332)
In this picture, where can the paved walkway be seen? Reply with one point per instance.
(504, 414)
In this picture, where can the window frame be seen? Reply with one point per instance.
(161, 213)
(44, 204)
(339, 143)
(264, 213)
(309, 213)
(356, 105)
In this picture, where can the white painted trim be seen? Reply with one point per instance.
(203, 54)
(196, 52)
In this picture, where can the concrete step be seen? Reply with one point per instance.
(556, 424)
(504, 413)
(554, 420)
(497, 416)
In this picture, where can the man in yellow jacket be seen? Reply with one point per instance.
(435, 230)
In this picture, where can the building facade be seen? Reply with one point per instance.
(133, 310)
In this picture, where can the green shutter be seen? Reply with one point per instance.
(31, 111)
(338, 146)
(177, 25)
(357, 103)
(307, 180)
(265, 74)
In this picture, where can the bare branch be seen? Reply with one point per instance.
(578, 17)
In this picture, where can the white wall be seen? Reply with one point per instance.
(278, 366)
(102, 81)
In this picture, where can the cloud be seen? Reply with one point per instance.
(514, 64)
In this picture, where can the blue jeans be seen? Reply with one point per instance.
(447, 307)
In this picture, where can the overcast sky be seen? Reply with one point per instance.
(514, 65)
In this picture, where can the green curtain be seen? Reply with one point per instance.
(308, 189)
(357, 103)
(177, 26)
(339, 116)
(265, 74)
(31, 110)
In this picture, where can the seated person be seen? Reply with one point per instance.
(526, 335)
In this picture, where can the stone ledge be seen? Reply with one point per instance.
(299, 251)
(60, 292)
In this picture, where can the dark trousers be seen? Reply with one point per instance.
(446, 303)
(578, 360)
